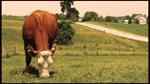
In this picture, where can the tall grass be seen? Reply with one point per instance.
(93, 57)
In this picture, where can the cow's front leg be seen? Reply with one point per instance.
(28, 60)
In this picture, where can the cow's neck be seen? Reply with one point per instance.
(41, 40)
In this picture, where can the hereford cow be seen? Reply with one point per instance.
(39, 32)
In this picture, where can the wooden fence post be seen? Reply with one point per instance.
(97, 49)
(85, 50)
(119, 49)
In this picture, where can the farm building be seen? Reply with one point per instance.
(126, 21)
(141, 19)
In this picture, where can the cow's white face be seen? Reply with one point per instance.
(44, 60)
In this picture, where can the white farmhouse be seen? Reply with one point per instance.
(141, 19)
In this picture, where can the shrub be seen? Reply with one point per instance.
(65, 33)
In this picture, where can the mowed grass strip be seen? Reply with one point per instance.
(130, 28)
(93, 57)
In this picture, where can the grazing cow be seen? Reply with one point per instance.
(39, 32)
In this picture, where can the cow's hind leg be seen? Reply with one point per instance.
(28, 60)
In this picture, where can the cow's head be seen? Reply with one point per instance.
(44, 60)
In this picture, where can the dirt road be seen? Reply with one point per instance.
(115, 32)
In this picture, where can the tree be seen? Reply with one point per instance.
(145, 15)
(101, 18)
(71, 13)
(66, 5)
(147, 19)
(90, 16)
(133, 15)
(111, 19)
(108, 19)
(137, 21)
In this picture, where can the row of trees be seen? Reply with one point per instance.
(93, 16)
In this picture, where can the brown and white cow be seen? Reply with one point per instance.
(39, 32)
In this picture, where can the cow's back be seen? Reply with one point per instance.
(40, 29)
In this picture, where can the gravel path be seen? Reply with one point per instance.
(115, 32)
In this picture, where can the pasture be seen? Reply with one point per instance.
(130, 28)
(94, 57)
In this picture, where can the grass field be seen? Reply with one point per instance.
(130, 28)
(93, 57)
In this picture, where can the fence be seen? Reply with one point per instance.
(97, 50)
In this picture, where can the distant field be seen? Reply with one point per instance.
(130, 28)
(93, 57)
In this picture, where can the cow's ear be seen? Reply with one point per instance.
(53, 50)
(53, 47)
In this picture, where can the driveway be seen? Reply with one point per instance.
(115, 32)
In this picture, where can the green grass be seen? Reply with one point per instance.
(130, 28)
(77, 69)
(93, 57)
